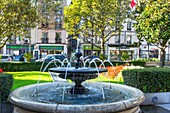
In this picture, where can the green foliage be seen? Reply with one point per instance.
(28, 56)
(91, 18)
(148, 80)
(35, 66)
(103, 56)
(147, 59)
(24, 66)
(154, 23)
(6, 82)
(124, 56)
(138, 63)
(16, 17)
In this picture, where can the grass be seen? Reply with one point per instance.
(27, 78)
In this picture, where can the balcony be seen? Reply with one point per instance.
(44, 40)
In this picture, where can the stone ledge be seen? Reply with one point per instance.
(156, 98)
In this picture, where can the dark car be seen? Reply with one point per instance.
(19, 58)
(50, 57)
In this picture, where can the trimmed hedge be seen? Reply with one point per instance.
(23, 66)
(148, 80)
(35, 66)
(6, 82)
(138, 63)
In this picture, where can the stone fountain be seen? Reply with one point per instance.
(77, 96)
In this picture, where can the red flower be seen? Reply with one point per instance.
(1, 70)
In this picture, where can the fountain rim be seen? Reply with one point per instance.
(79, 70)
(41, 107)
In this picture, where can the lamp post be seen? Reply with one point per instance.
(119, 30)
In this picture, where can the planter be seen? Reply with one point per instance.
(157, 98)
(152, 64)
(6, 107)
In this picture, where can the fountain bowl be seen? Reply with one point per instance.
(25, 101)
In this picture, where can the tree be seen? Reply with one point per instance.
(153, 23)
(96, 18)
(16, 16)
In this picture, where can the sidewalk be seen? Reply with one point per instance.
(161, 108)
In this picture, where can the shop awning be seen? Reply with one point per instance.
(18, 47)
(51, 47)
(89, 47)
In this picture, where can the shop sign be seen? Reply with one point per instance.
(88, 47)
(18, 47)
(52, 47)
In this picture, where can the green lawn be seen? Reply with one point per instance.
(31, 77)
(27, 78)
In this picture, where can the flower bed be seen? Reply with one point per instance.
(113, 71)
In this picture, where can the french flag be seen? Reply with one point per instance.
(133, 3)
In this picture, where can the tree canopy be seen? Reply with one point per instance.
(96, 18)
(18, 16)
(153, 23)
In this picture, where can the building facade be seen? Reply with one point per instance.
(126, 43)
(49, 36)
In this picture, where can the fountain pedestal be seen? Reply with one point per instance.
(78, 78)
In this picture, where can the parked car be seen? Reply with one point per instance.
(6, 58)
(50, 57)
(19, 57)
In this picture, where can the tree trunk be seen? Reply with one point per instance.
(163, 52)
(29, 51)
(102, 47)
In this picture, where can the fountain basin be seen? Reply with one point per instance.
(25, 101)
(77, 75)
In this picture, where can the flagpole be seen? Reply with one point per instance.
(138, 2)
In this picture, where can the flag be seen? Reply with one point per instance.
(132, 4)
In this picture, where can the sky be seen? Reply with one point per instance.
(68, 1)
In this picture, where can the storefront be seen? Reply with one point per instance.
(149, 51)
(17, 49)
(125, 50)
(41, 50)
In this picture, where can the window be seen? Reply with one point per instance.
(129, 39)
(12, 40)
(116, 39)
(58, 37)
(45, 37)
(44, 7)
(26, 41)
(59, 11)
(129, 26)
(58, 21)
